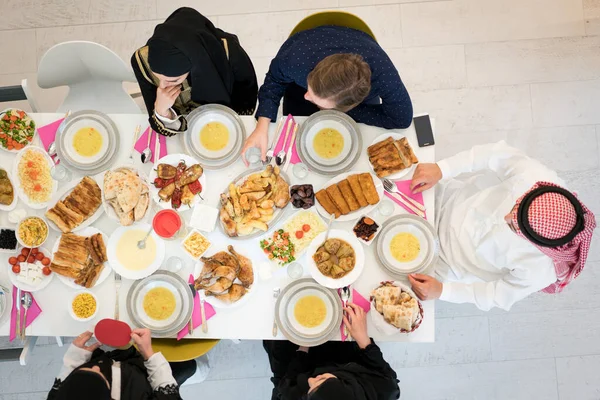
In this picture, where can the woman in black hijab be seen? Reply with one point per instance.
(335, 370)
(187, 63)
(90, 373)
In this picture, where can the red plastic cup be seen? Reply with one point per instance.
(167, 223)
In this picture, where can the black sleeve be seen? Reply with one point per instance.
(289, 386)
(372, 358)
(245, 86)
(53, 392)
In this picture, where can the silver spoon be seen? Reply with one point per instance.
(282, 154)
(142, 243)
(52, 149)
(276, 292)
(147, 153)
(26, 301)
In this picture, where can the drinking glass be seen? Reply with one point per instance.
(295, 270)
(61, 173)
(385, 208)
(253, 156)
(300, 171)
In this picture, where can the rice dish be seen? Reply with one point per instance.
(34, 176)
(299, 224)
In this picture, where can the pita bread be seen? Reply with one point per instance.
(386, 295)
(140, 209)
(399, 316)
(129, 193)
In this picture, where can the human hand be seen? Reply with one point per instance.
(425, 177)
(81, 342)
(142, 339)
(165, 98)
(258, 138)
(355, 321)
(425, 286)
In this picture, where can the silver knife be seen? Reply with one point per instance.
(18, 306)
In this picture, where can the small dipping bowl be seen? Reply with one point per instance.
(72, 313)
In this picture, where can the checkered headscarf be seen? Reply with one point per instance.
(552, 216)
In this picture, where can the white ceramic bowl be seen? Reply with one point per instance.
(19, 225)
(75, 317)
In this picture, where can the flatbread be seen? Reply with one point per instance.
(399, 316)
(348, 195)
(328, 205)
(386, 295)
(356, 189)
(129, 192)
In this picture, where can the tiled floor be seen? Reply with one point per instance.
(527, 71)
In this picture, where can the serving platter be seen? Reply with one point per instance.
(422, 230)
(350, 277)
(88, 119)
(184, 305)
(63, 192)
(70, 282)
(116, 264)
(174, 159)
(18, 188)
(25, 286)
(402, 173)
(352, 143)
(292, 329)
(204, 115)
(354, 215)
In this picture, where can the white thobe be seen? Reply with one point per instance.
(482, 260)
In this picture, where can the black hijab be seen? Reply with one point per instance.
(188, 42)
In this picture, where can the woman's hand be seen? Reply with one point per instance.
(425, 286)
(355, 321)
(81, 342)
(142, 339)
(425, 177)
(258, 138)
(165, 98)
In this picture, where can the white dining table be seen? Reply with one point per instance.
(254, 318)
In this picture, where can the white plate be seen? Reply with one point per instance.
(12, 205)
(212, 299)
(423, 241)
(317, 330)
(402, 173)
(118, 267)
(30, 288)
(354, 215)
(200, 123)
(34, 129)
(174, 159)
(70, 282)
(62, 194)
(347, 279)
(5, 304)
(110, 212)
(310, 136)
(19, 189)
(70, 134)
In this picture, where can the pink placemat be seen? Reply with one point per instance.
(209, 312)
(32, 314)
(404, 187)
(360, 301)
(142, 143)
(47, 134)
(289, 123)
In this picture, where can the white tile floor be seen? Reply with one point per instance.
(527, 71)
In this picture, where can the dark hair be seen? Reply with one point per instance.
(345, 78)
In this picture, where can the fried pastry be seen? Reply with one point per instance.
(356, 189)
(328, 205)
(348, 195)
(336, 196)
(368, 187)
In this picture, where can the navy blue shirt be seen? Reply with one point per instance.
(302, 52)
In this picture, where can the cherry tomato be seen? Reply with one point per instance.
(13, 261)
(306, 227)
(34, 251)
(46, 271)
(45, 261)
(39, 256)
(21, 258)
(25, 251)
(16, 269)
(299, 234)
(30, 259)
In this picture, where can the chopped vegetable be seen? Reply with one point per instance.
(279, 248)
(16, 129)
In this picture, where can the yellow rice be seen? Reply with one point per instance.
(34, 176)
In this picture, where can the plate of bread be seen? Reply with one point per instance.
(349, 195)
(125, 195)
(396, 308)
(391, 156)
(80, 259)
(76, 206)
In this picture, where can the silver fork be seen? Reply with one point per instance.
(269, 156)
(117, 289)
(414, 206)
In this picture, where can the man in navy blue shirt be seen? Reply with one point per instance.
(332, 67)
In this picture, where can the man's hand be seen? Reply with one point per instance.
(165, 98)
(425, 286)
(142, 339)
(258, 138)
(81, 342)
(356, 322)
(425, 177)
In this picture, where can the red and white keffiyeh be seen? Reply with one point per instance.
(552, 216)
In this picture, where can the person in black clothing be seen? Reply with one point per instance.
(334, 370)
(187, 63)
(90, 373)
(332, 67)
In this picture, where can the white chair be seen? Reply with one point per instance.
(17, 93)
(94, 75)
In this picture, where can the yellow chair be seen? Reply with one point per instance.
(337, 18)
(183, 350)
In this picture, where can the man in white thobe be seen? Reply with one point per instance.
(489, 255)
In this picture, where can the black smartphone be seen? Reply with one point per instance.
(424, 131)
